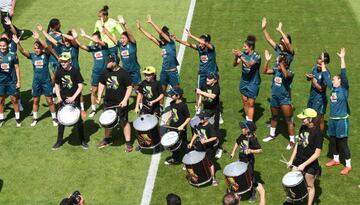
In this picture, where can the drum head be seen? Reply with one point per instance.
(235, 169)
(194, 121)
(292, 178)
(169, 139)
(193, 157)
(107, 117)
(145, 122)
(68, 115)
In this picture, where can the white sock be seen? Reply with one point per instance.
(17, 116)
(54, 92)
(19, 101)
(272, 131)
(35, 115)
(53, 115)
(292, 138)
(336, 158)
(247, 118)
(82, 105)
(93, 107)
(1, 116)
(348, 163)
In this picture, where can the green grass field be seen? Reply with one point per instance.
(32, 173)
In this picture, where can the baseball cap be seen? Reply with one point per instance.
(149, 70)
(205, 114)
(213, 76)
(307, 113)
(249, 125)
(65, 56)
(175, 91)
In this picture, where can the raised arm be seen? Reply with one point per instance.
(325, 73)
(47, 36)
(21, 49)
(83, 34)
(112, 38)
(157, 28)
(343, 76)
(12, 10)
(147, 34)
(9, 23)
(127, 29)
(185, 43)
(314, 82)
(285, 38)
(208, 45)
(267, 69)
(76, 40)
(266, 34)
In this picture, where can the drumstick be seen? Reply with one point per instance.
(175, 128)
(114, 106)
(285, 162)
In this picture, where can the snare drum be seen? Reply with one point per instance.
(237, 177)
(197, 168)
(68, 115)
(171, 141)
(295, 186)
(109, 119)
(147, 131)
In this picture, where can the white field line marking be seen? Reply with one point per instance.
(155, 158)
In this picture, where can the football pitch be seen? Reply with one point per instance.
(31, 173)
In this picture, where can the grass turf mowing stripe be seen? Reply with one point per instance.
(155, 159)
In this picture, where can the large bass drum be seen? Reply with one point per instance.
(237, 177)
(197, 165)
(295, 185)
(147, 131)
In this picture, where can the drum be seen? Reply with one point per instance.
(68, 115)
(197, 168)
(295, 186)
(147, 131)
(171, 141)
(237, 177)
(109, 119)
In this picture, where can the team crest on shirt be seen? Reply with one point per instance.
(98, 55)
(163, 53)
(39, 63)
(303, 139)
(67, 82)
(147, 92)
(202, 134)
(278, 81)
(204, 58)
(333, 97)
(174, 115)
(112, 83)
(244, 145)
(5, 67)
(125, 53)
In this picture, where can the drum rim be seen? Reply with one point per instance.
(247, 190)
(293, 185)
(164, 138)
(190, 153)
(235, 164)
(114, 120)
(136, 122)
(62, 108)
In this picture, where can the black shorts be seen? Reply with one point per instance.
(122, 112)
(313, 168)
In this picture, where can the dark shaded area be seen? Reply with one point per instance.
(258, 113)
(1, 184)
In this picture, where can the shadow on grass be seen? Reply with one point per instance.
(26, 101)
(259, 111)
(1, 184)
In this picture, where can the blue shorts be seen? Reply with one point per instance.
(9, 89)
(279, 100)
(135, 77)
(338, 128)
(41, 88)
(318, 105)
(249, 90)
(201, 80)
(169, 78)
(95, 79)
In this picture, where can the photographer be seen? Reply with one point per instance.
(74, 199)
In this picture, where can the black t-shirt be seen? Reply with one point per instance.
(245, 143)
(206, 132)
(308, 141)
(115, 83)
(150, 91)
(211, 104)
(179, 113)
(68, 81)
